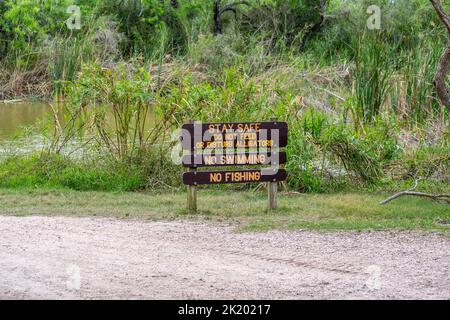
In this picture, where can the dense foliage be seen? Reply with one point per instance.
(360, 103)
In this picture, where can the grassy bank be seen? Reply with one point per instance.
(246, 210)
(156, 173)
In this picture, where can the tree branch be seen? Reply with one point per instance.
(233, 5)
(441, 72)
(219, 11)
(440, 82)
(411, 192)
(417, 194)
(442, 15)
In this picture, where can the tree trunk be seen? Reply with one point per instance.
(440, 79)
(217, 18)
(441, 74)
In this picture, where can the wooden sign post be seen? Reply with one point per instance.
(192, 195)
(272, 190)
(192, 191)
(234, 144)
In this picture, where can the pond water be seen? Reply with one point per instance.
(15, 116)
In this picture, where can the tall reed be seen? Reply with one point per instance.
(413, 93)
(371, 76)
(65, 61)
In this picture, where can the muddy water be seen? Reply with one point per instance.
(15, 116)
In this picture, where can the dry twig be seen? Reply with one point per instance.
(411, 192)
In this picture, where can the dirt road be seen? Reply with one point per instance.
(89, 258)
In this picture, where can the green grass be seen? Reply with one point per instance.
(243, 209)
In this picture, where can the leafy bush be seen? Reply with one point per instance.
(123, 93)
(151, 28)
(324, 155)
(348, 93)
(95, 173)
(286, 21)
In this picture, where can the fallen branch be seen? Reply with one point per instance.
(11, 101)
(411, 192)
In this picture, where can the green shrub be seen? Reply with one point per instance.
(151, 28)
(347, 92)
(38, 171)
(287, 22)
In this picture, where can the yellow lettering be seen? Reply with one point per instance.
(209, 160)
(215, 177)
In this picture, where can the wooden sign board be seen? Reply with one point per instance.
(235, 159)
(233, 144)
(235, 135)
(234, 176)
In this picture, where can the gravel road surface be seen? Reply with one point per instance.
(97, 258)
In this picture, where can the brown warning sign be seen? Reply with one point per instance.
(238, 176)
(234, 144)
(235, 159)
(235, 135)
